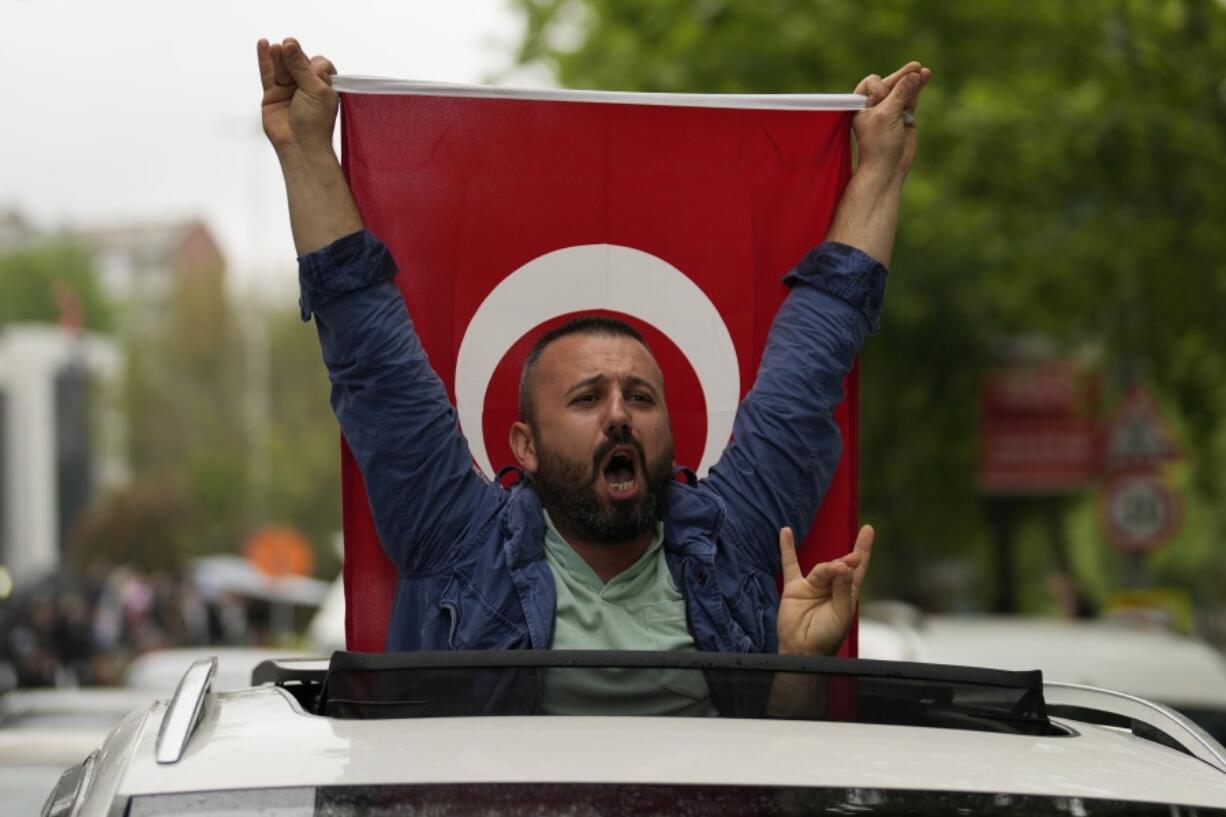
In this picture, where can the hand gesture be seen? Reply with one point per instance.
(299, 106)
(815, 611)
(885, 130)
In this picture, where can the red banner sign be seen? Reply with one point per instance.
(1039, 429)
(507, 216)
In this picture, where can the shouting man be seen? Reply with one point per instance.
(600, 547)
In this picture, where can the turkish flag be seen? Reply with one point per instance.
(507, 216)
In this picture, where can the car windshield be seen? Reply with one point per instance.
(625, 800)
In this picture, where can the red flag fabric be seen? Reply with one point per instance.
(507, 216)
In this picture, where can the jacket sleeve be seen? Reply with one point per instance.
(425, 493)
(786, 443)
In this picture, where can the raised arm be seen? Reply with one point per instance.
(867, 215)
(785, 441)
(299, 113)
(392, 407)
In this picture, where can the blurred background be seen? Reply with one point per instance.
(1041, 431)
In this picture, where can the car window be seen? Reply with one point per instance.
(561, 800)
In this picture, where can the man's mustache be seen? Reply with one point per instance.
(620, 437)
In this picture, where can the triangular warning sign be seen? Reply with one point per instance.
(1138, 435)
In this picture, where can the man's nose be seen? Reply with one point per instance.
(618, 417)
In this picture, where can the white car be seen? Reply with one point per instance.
(454, 734)
(1149, 662)
(45, 731)
(159, 671)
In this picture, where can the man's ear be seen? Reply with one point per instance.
(523, 446)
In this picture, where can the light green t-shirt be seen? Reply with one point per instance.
(640, 609)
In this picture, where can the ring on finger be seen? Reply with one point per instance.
(908, 119)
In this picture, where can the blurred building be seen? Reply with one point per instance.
(15, 232)
(143, 267)
(63, 438)
(60, 443)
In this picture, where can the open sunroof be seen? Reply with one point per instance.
(688, 684)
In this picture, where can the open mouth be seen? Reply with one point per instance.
(621, 472)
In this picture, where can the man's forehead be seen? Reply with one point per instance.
(575, 358)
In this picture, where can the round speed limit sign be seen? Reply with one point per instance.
(1140, 512)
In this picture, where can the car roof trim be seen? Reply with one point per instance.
(184, 711)
(1176, 728)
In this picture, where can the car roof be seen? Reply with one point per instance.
(1152, 663)
(245, 739)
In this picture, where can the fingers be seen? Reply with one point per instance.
(285, 65)
(864, 550)
(910, 67)
(787, 555)
(852, 567)
(264, 57)
(824, 574)
(299, 67)
(843, 595)
(281, 75)
(905, 93)
(274, 76)
(890, 81)
(864, 541)
(323, 68)
(845, 586)
(874, 88)
(878, 89)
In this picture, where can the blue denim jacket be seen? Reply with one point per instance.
(470, 553)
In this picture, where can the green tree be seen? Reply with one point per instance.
(1069, 183)
(184, 404)
(241, 460)
(303, 444)
(145, 524)
(52, 281)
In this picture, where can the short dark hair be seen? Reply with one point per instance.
(582, 325)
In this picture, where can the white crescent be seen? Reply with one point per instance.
(593, 277)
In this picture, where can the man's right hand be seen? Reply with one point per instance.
(299, 112)
(299, 106)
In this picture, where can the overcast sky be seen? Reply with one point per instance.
(143, 110)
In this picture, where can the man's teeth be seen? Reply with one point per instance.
(621, 486)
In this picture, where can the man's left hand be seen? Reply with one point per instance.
(815, 611)
(885, 129)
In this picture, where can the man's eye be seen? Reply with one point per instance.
(641, 398)
(585, 398)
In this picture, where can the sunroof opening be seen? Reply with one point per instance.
(600, 683)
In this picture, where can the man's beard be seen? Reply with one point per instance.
(570, 492)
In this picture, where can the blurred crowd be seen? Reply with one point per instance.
(82, 630)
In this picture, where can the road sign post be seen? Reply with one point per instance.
(1139, 510)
